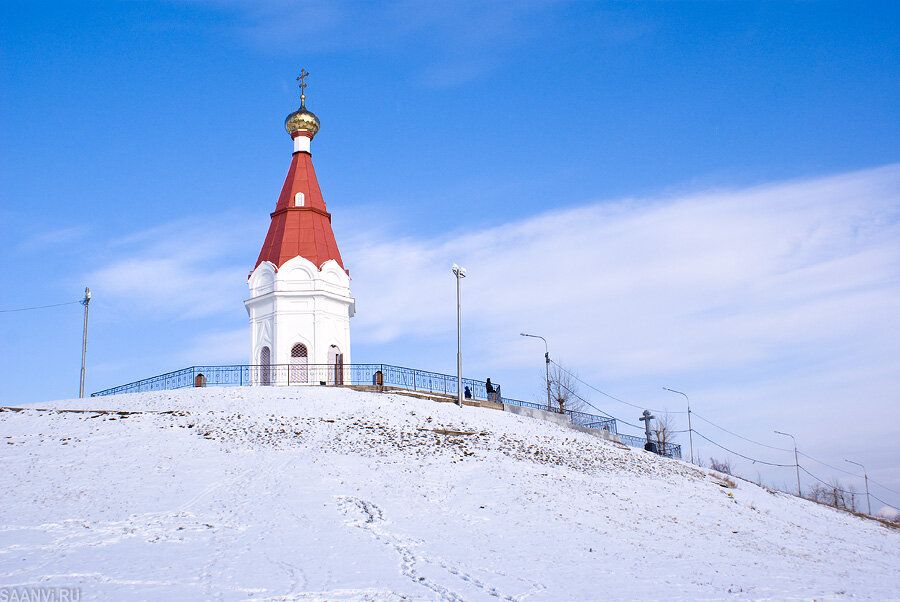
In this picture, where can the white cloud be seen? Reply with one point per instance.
(186, 269)
(456, 42)
(221, 347)
(52, 237)
(696, 282)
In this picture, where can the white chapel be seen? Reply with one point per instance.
(300, 304)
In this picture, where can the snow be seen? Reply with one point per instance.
(319, 493)
(888, 513)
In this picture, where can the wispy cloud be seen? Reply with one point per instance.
(801, 272)
(456, 42)
(220, 347)
(186, 269)
(695, 282)
(53, 237)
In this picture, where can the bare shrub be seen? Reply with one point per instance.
(564, 390)
(816, 493)
(720, 465)
(835, 494)
(663, 430)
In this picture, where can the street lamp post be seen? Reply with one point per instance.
(546, 362)
(866, 477)
(796, 461)
(460, 273)
(86, 301)
(690, 430)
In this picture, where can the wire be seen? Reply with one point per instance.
(710, 422)
(736, 435)
(829, 485)
(590, 386)
(883, 487)
(731, 451)
(852, 474)
(881, 500)
(576, 395)
(3, 311)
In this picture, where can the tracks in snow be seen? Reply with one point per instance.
(368, 516)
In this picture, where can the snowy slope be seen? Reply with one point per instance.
(331, 494)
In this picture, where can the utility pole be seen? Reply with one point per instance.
(690, 430)
(866, 477)
(796, 461)
(460, 273)
(86, 302)
(546, 363)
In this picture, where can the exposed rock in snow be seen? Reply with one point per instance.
(331, 494)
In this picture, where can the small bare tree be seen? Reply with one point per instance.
(664, 431)
(564, 390)
(720, 465)
(837, 496)
(816, 493)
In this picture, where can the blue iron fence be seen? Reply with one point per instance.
(311, 374)
(354, 374)
(669, 450)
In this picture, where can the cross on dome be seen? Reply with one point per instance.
(302, 79)
(302, 122)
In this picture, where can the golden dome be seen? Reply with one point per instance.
(302, 119)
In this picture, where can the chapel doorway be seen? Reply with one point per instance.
(265, 362)
(298, 372)
(335, 366)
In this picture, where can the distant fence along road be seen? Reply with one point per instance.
(352, 374)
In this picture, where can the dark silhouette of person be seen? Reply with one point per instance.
(490, 390)
(467, 392)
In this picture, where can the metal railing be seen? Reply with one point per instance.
(309, 374)
(592, 421)
(392, 376)
(669, 450)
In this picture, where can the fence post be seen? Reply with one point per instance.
(414, 378)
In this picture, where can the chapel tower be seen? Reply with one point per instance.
(300, 304)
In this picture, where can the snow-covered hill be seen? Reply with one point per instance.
(332, 494)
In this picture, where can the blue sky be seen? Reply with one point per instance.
(698, 195)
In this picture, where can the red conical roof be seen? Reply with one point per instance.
(300, 230)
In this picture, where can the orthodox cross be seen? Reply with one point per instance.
(646, 418)
(302, 79)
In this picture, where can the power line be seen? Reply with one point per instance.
(736, 435)
(883, 487)
(3, 311)
(613, 397)
(731, 451)
(847, 472)
(576, 395)
(829, 485)
(710, 422)
(881, 500)
(852, 474)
